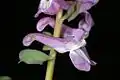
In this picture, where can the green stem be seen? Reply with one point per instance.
(51, 63)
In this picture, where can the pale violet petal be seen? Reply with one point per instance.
(54, 42)
(79, 62)
(82, 54)
(42, 23)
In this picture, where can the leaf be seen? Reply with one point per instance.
(5, 78)
(75, 13)
(31, 56)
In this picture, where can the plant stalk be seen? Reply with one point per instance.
(57, 30)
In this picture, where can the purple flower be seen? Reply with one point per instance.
(51, 7)
(69, 33)
(77, 55)
(73, 40)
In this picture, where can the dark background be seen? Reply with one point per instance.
(20, 21)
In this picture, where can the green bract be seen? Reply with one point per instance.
(31, 56)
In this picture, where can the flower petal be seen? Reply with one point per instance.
(86, 23)
(42, 23)
(58, 44)
(63, 4)
(62, 45)
(81, 59)
(82, 54)
(79, 62)
(75, 45)
(78, 34)
(51, 7)
(86, 53)
(86, 4)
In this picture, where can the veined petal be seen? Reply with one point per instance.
(81, 59)
(82, 54)
(79, 62)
